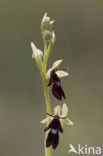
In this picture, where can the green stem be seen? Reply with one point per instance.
(48, 109)
(46, 93)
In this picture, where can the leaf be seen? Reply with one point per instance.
(37, 55)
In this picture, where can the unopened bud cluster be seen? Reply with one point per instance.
(47, 28)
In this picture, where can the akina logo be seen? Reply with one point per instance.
(85, 150)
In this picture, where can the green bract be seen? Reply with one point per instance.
(37, 55)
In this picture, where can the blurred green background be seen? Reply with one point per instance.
(79, 42)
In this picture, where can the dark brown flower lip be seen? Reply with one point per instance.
(56, 87)
(58, 92)
(55, 127)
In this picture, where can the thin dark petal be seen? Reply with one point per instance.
(46, 129)
(56, 69)
(49, 139)
(55, 140)
(58, 92)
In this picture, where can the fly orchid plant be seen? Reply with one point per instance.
(54, 123)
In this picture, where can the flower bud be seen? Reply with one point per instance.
(53, 37)
(47, 36)
(46, 24)
(37, 55)
(45, 20)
